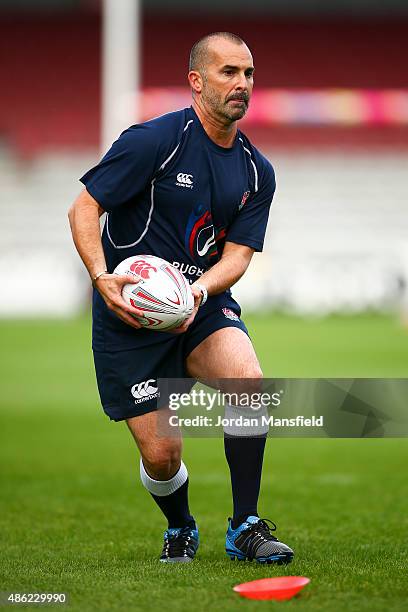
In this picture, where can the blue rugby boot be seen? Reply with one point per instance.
(180, 544)
(253, 540)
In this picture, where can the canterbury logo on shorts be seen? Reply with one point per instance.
(145, 390)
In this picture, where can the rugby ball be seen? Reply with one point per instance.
(163, 293)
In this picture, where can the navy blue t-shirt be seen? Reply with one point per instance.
(170, 191)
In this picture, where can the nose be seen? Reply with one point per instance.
(241, 82)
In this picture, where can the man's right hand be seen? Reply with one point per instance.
(110, 287)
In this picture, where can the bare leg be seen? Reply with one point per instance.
(162, 471)
(161, 456)
(227, 353)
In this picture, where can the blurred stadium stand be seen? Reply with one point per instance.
(331, 113)
(338, 233)
(40, 270)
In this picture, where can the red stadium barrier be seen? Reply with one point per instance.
(51, 72)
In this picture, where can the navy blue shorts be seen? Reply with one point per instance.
(127, 380)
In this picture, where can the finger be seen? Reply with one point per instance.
(181, 328)
(127, 318)
(178, 330)
(198, 296)
(124, 279)
(131, 310)
(191, 318)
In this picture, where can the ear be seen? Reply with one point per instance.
(195, 80)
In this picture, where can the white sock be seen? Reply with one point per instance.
(257, 427)
(163, 487)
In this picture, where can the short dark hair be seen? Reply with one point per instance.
(199, 51)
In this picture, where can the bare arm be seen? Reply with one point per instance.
(84, 221)
(225, 273)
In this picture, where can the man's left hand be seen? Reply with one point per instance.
(198, 296)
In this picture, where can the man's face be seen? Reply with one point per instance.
(228, 80)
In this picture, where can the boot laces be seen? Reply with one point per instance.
(176, 544)
(263, 528)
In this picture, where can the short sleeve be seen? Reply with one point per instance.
(249, 226)
(126, 169)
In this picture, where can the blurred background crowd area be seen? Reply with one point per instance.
(330, 110)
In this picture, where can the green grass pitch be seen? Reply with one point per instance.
(75, 518)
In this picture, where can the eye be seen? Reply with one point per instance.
(228, 72)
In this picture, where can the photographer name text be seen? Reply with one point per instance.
(241, 421)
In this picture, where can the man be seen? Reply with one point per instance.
(190, 188)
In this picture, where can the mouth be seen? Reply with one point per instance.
(239, 98)
(238, 101)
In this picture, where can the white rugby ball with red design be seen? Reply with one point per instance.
(163, 292)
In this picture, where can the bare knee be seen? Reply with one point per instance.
(161, 456)
(254, 372)
(161, 461)
(255, 378)
(250, 381)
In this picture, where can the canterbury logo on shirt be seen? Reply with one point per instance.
(184, 180)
